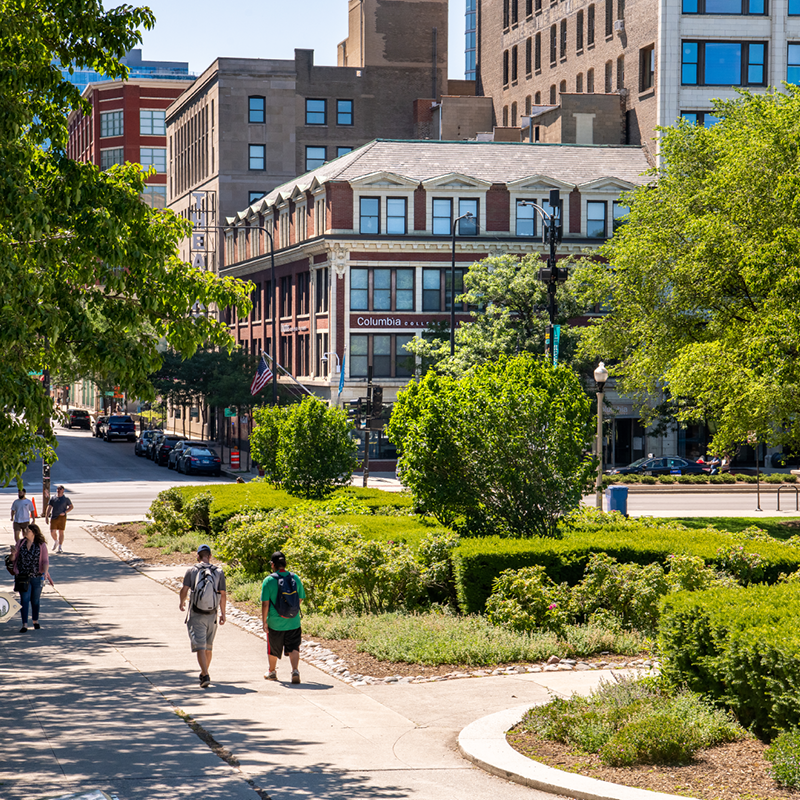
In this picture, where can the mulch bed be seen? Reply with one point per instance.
(736, 771)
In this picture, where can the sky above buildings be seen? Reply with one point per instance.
(205, 29)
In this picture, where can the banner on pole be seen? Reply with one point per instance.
(556, 341)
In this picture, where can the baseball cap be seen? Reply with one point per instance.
(278, 559)
(203, 548)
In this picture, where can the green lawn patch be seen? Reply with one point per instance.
(230, 499)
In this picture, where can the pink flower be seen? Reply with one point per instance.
(552, 606)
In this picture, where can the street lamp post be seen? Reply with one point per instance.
(273, 304)
(600, 377)
(468, 215)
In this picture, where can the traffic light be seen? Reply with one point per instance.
(355, 411)
(377, 401)
(546, 275)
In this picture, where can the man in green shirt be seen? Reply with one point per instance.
(281, 594)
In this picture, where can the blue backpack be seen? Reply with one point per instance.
(288, 601)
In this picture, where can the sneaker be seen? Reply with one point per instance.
(60, 549)
(205, 680)
(36, 626)
(295, 676)
(271, 676)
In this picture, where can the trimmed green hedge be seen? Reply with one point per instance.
(478, 561)
(232, 498)
(740, 647)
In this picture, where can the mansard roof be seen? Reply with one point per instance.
(422, 161)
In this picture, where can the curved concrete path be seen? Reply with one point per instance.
(93, 701)
(484, 743)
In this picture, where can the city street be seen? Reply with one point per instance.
(103, 479)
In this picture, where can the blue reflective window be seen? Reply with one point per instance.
(468, 226)
(316, 112)
(756, 53)
(370, 215)
(723, 6)
(442, 217)
(794, 8)
(344, 112)
(757, 7)
(690, 117)
(689, 63)
(723, 65)
(690, 7)
(793, 70)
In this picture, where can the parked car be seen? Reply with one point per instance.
(175, 453)
(143, 442)
(97, 426)
(153, 444)
(119, 427)
(199, 459)
(165, 445)
(78, 418)
(662, 465)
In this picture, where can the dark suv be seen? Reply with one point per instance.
(122, 427)
(78, 418)
(162, 449)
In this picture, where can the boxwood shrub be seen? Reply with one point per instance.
(740, 647)
(233, 498)
(478, 561)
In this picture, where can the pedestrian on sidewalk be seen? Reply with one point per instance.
(23, 512)
(31, 563)
(281, 594)
(57, 509)
(206, 582)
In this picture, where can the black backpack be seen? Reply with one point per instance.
(288, 602)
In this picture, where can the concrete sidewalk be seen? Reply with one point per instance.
(91, 701)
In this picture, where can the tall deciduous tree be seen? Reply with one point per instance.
(501, 449)
(89, 274)
(509, 316)
(704, 287)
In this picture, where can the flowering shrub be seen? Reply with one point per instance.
(745, 567)
(630, 591)
(526, 599)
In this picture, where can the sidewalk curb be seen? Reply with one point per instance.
(704, 488)
(483, 742)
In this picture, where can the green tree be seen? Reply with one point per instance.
(306, 448)
(705, 282)
(509, 316)
(500, 449)
(90, 275)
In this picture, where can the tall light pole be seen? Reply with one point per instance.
(468, 215)
(551, 275)
(273, 303)
(600, 378)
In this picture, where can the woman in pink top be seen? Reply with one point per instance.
(30, 568)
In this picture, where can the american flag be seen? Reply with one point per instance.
(262, 378)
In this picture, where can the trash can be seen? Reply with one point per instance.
(617, 499)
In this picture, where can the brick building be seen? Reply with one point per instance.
(126, 123)
(363, 246)
(662, 59)
(248, 125)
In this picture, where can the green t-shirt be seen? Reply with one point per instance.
(269, 593)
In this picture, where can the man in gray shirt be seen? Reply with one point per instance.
(22, 513)
(56, 515)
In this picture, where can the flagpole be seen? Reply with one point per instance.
(287, 374)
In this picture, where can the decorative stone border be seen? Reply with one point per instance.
(484, 744)
(327, 661)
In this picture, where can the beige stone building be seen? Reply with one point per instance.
(248, 125)
(661, 59)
